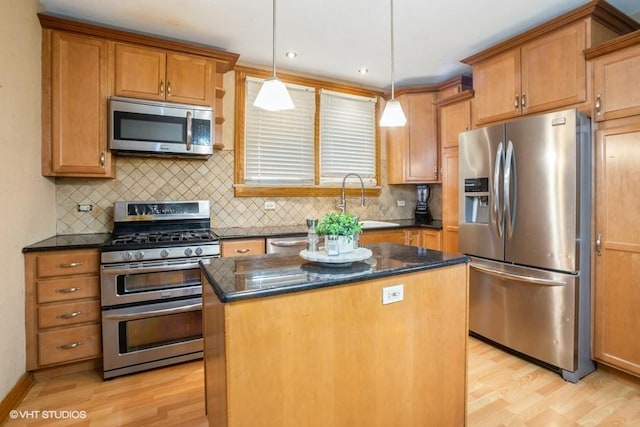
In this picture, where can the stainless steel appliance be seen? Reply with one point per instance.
(140, 127)
(525, 219)
(151, 293)
(290, 244)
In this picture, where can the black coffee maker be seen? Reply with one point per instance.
(422, 214)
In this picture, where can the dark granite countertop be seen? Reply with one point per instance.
(240, 278)
(69, 241)
(292, 230)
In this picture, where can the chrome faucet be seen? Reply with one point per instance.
(343, 201)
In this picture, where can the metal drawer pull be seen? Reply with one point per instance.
(70, 346)
(67, 290)
(71, 264)
(243, 251)
(69, 315)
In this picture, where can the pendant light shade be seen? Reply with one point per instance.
(392, 116)
(273, 95)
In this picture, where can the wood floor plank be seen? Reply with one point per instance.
(503, 391)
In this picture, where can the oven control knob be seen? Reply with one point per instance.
(139, 255)
(164, 253)
(198, 251)
(188, 252)
(127, 256)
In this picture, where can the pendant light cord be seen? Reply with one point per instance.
(274, 38)
(392, 56)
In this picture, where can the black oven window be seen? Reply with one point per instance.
(158, 331)
(143, 282)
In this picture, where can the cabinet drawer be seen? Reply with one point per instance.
(69, 288)
(68, 313)
(68, 263)
(243, 247)
(68, 344)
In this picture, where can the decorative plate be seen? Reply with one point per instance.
(341, 260)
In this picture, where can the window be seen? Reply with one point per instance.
(308, 150)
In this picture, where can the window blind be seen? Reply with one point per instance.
(279, 145)
(347, 137)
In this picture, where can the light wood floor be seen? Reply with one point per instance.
(503, 391)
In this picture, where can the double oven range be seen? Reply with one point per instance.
(150, 282)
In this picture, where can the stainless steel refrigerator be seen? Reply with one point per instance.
(524, 219)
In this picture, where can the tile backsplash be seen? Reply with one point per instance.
(175, 179)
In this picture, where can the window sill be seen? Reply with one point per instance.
(241, 190)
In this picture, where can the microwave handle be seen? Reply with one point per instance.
(189, 130)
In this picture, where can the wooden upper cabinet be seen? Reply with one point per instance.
(496, 84)
(617, 83)
(553, 72)
(156, 74)
(74, 102)
(454, 119)
(544, 68)
(412, 150)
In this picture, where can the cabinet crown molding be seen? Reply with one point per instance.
(225, 60)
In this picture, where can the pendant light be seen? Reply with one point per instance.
(392, 116)
(273, 95)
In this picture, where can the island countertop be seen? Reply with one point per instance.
(239, 278)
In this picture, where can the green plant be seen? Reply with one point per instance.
(339, 224)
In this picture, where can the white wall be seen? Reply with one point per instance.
(27, 200)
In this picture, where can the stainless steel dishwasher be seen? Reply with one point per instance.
(289, 244)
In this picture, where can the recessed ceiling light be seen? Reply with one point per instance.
(363, 70)
(291, 54)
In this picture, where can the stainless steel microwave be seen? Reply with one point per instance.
(150, 128)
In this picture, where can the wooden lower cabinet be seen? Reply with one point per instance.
(616, 323)
(431, 239)
(242, 247)
(62, 307)
(396, 235)
(421, 237)
(450, 194)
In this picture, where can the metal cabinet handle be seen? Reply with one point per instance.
(70, 346)
(70, 264)
(69, 315)
(435, 172)
(161, 87)
(168, 88)
(523, 101)
(516, 103)
(599, 244)
(67, 290)
(243, 251)
(598, 104)
(103, 159)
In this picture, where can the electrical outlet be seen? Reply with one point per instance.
(85, 208)
(392, 294)
(269, 206)
(400, 203)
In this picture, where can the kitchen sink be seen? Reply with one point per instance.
(377, 224)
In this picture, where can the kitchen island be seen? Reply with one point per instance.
(295, 343)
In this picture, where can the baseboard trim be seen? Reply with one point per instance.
(16, 394)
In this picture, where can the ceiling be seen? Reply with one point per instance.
(335, 38)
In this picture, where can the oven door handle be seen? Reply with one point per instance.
(152, 267)
(153, 313)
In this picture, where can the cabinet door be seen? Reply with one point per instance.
(450, 199)
(78, 139)
(616, 95)
(242, 247)
(140, 72)
(412, 150)
(454, 118)
(617, 263)
(383, 236)
(412, 237)
(553, 70)
(190, 79)
(496, 83)
(431, 239)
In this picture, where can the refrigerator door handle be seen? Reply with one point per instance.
(510, 199)
(528, 279)
(499, 165)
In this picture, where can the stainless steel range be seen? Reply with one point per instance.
(150, 284)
